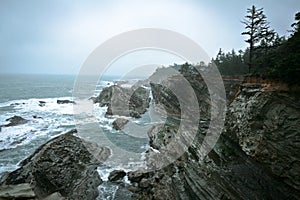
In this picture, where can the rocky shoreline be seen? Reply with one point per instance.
(256, 156)
(61, 167)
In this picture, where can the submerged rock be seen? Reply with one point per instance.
(65, 102)
(64, 165)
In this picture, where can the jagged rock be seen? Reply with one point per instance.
(64, 165)
(124, 101)
(116, 175)
(119, 123)
(64, 101)
(19, 191)
(137, 176)
(256, 157)
(15, 121)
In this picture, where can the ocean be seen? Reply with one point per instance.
(22, 94)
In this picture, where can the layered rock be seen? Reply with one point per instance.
(256, 157)
(121, 101)
(116, 175)
(64, 165)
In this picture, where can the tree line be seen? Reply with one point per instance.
(268, 55)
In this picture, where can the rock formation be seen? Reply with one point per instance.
(121, 101)
(256, 157)
(64, 166)
(119, 123)
(15, 121)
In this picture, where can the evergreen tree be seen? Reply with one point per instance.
(257, 28)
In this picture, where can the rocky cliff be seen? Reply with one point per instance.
(256, 156)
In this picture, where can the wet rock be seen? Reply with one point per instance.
(36, 117)
(64, 165)
(121, 101)
(119, 123)
(42, 103)
(137, 176)
(19, 191)
(116, 175)
(65, 102)
(15, 121)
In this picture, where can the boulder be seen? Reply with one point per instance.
(119, 123)
(63, 164)
(116, 175)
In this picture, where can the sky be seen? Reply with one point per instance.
(57, 36)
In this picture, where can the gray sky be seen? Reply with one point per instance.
(56, 36)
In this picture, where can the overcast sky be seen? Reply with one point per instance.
(56, 36)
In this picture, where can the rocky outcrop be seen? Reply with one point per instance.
(121, 101)
(116, 175)
(256, 157)
(266, 125)
(63, 165)
(15, 121)
(119, 123)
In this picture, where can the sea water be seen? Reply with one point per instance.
(22, 94)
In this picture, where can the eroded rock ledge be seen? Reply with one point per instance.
(256, 157)
(61, 167)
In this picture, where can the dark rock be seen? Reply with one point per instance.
(137, 176)
(256, 156)
(65, 102)
(64, 165)
(15, 121)
(36, 117)
(119, 123)
(131, 102)
(42, 103)
(144, 183)
(116, 175)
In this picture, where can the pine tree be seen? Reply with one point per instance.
(257, 28)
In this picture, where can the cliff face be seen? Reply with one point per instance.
(256, 157)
